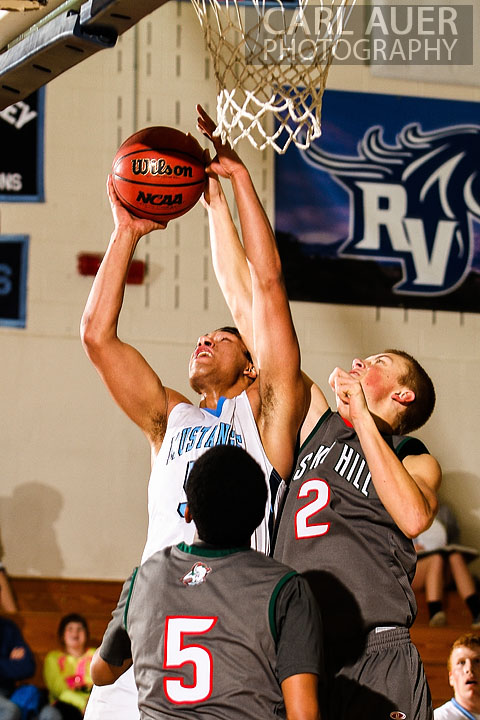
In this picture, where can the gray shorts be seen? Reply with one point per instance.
(386, 682)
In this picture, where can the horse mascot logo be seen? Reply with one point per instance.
(413, 202)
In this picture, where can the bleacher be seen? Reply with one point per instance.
(42, 602)
(434, 643)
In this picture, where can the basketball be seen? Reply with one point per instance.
(159, 173)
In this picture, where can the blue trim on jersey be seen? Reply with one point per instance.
(462, 710)
(218, 410)
(325, 415)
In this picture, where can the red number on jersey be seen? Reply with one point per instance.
(177, 653)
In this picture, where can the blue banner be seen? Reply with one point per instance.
(13, 279)
(384, 208)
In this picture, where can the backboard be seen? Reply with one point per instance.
(40, 44)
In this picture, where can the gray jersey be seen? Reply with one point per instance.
(335, 531)
(204, 637)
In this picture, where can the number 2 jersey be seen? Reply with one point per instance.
(335, 531)
(190, 432)
(213, 632)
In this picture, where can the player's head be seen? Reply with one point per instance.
(73, 632)
(464, 671)
(415, 378)
(221, 357)
(226, 494)
(396, 388)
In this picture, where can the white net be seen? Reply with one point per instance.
(271, 61)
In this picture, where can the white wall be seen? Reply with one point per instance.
(74, 469)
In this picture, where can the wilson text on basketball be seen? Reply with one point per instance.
(158, 166)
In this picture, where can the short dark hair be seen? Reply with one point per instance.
(226, 494)
(468, 640)
(71, 618)
(234, 331)
(417, 412)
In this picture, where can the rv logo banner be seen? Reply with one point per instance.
(384, 208)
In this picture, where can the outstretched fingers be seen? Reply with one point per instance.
(205, 124)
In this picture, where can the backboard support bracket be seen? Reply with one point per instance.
(65, 41)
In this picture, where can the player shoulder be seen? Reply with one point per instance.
(317, 405)
(425, 466)
(171, 405)
(254, 398)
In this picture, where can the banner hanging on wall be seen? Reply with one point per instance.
(384, 208)
(21, 159)
(13, 279)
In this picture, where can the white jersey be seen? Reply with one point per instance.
(451, 710)
(190, 432)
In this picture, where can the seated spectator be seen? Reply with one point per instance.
(7, 598)
(216, 629)
(67, 672)
(16, 663)
(464, 678)
(442, 559)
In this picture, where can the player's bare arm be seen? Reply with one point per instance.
(133, 384)
(229, 261)
(316, 404)
(280, 404)
(300, 695)
(407, 489)
(104, 673)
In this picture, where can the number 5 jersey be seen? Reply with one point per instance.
(213, 632)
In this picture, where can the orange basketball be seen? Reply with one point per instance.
(159, 173)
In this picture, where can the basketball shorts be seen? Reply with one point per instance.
(387, 682)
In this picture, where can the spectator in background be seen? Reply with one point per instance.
(16, 663)
(464, 677)
(7, 598)
(442, 559)
(67, 672)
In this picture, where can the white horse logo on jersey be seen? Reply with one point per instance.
(197, 575)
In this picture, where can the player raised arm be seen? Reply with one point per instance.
(280, 406)
(408, 488)
(133, 384)
(229, 260)
(233, 275)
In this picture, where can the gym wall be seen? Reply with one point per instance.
(74, 469)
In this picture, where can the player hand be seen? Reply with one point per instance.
(124, 219)
(351, 402)
(226, 162)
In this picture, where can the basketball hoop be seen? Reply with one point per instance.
(271, 61)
